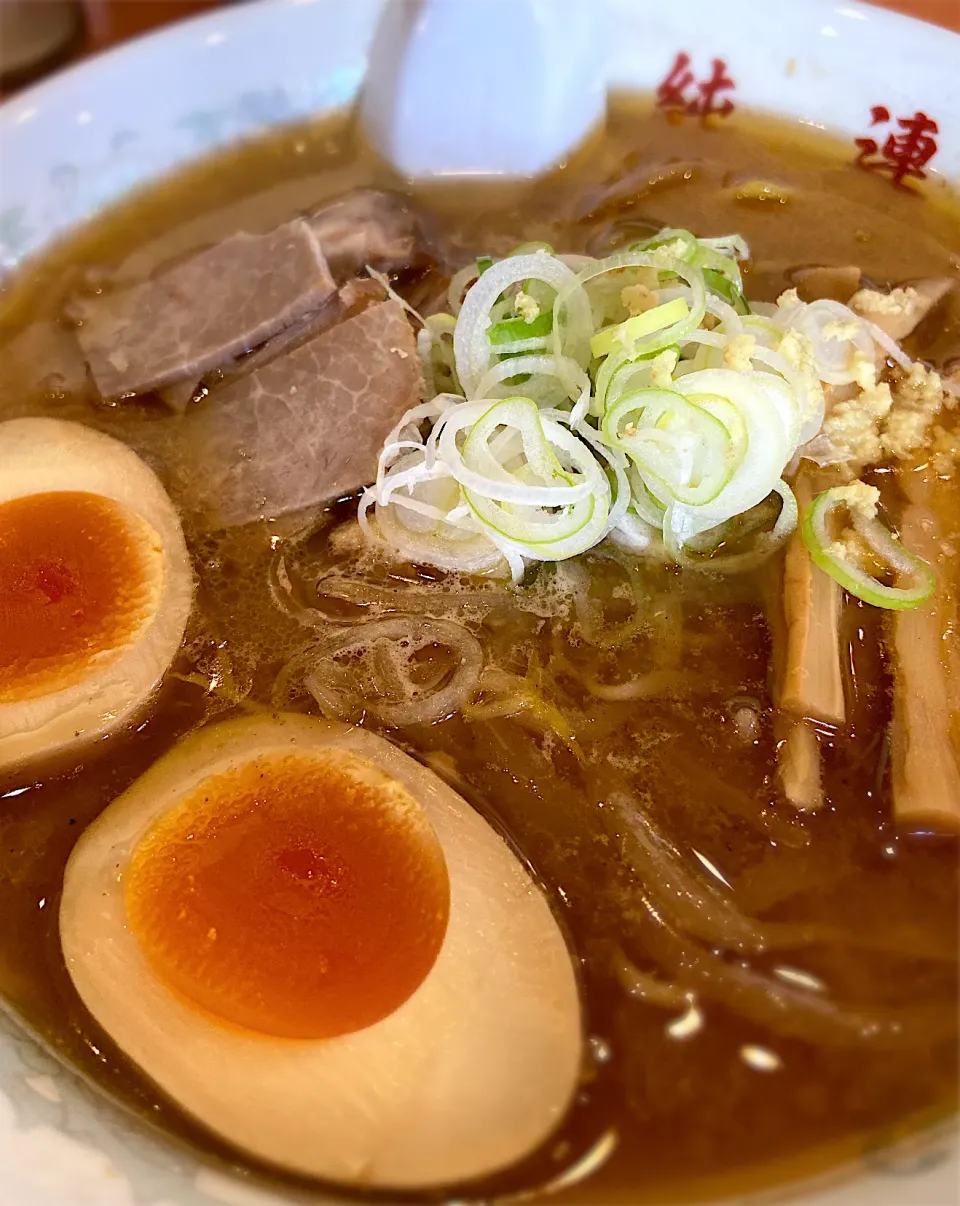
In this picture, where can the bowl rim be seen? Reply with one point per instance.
(896, 27)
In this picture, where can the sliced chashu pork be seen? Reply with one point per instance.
(350, 299)
(204, 311)
(306, 427)
(368, 227)
(41, 359)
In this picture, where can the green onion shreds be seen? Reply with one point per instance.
(513, 329)
(717, 283)
(864, 548)
(660, 409)
(626, 334)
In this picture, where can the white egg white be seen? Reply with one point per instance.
(38, 456)
(468, 1076)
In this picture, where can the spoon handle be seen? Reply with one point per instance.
(483, 87)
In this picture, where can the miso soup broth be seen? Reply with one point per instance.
(758, 893)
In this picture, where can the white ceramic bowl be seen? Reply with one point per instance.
(88, 135)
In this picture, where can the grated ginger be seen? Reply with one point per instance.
(526, 307)
(860, 497)
(665, 254)
(662, 367)
(739, 352)
(945, 450)
(796, 348)
(788, 298)
(842, 329)
(843, 549)
(853, 432)
(897, 301)
(885, 420)
(638, 299)
(864, 370)
(853, 424)
(917, 400)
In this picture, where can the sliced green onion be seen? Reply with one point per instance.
(713, 255)
(686, 244)
(733, 246)
(530, 248)
(828, 555)
(642, 501)
(625, 334)
(661, 425)
(553, 382)
(673, 442)
(571, 335)
(624, 370)
(479, 469)
(471, 339)
(542, 293)
(764, 330)
(758, 443)
(440, 324)
(515, 485)
(764, 544)
(724, 287)
(514, 329)
(714, 261)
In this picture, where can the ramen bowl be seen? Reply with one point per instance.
(88, 136)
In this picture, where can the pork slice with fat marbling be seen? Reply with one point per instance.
(351, 299)
(42, 359)
(367, 227)
(306, 427)
(204, 311)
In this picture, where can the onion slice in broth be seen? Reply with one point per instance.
(373, 667)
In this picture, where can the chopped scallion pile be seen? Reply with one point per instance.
(638, 397)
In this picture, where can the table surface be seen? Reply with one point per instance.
(940, 12)
(111, 21)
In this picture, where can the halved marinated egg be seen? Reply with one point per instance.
(324, 954)
(95, 585)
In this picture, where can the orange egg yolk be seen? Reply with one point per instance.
(78, 578)
(299, 896)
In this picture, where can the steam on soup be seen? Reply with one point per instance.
(495, 648)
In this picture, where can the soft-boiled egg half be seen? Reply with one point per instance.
(95, 586)
(325, 955)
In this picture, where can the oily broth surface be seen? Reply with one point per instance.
(691, 1115)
